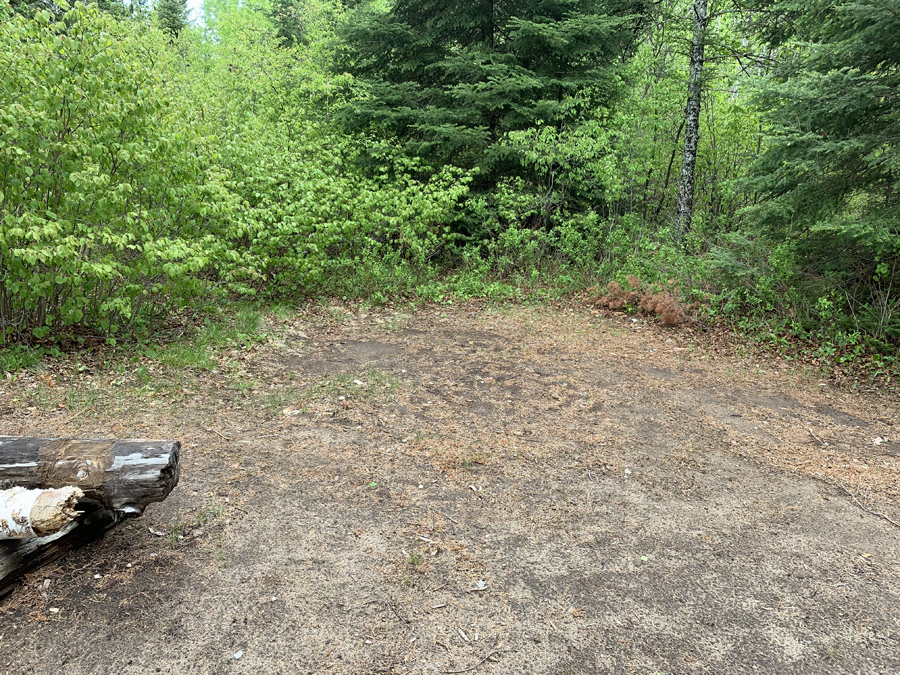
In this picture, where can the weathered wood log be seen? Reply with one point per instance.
(123, 475)
(118, 478)
(26, 514)
(18, 558)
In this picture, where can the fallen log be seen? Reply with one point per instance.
(117, 479)
(25, 514)
(122, 475)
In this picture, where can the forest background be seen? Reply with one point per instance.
(739, 156)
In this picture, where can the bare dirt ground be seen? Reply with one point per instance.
(485, 490)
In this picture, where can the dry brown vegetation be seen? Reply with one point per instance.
(647, 299)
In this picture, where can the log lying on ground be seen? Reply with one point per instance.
(25, 514)
(123, 475)
(118, 478)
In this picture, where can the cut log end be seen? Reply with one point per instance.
(54, 509)
(36, 513)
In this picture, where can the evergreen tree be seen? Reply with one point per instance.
(287, 18)
(831, 170)
(451, 77)
(171, 16)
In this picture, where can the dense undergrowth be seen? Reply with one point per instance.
(144, 173)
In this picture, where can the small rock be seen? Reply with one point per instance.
(237, 655)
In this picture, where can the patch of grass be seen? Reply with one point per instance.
(19, 357)
(175, 533)
(243, 385)
(187, 355)
(283, 311)
(43, 396)
(278, 399)
(247, 321)
(374, 386)
(80, 400)
(211, 515)
(215, 333)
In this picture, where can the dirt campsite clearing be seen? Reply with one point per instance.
(535, 490)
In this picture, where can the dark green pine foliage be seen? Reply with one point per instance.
(287, 18)
(171, 16)
(831, 171)
(451, 77)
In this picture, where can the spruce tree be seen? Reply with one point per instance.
(171, 16)
(451, 77)
(831, 170)
(287, 17)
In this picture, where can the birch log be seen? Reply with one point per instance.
(116, 479)
(36, 513)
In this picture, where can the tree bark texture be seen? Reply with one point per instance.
(692, 121)
(36, 513)
(116, 480)
(123, 475)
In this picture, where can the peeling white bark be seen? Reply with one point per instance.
(25, 514)
(692, 122)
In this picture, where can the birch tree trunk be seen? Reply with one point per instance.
(692, 122)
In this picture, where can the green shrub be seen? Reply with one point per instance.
(106, 208)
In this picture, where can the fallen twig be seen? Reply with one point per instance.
(480, 663)
(866, 508)
(816, 438)
(218, 434)
(450, 518)
(397, 614)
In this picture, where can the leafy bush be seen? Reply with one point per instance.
(106, 207)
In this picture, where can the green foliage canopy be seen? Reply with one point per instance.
(450, 79)
(106, 209)
(831, 169)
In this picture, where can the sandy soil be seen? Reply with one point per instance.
(487, 490)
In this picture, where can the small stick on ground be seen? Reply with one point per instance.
(816, 438)
(218, 434)
(866, 508)
(450, 518)
(477, 665)
(397, 614)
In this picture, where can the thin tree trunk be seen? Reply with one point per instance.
(692, 122)
(665, 187)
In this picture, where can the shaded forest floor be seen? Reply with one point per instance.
(470, 489)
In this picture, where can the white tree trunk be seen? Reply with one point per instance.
(36, 513)
(692, 122)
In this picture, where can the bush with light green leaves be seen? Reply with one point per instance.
(108, 213)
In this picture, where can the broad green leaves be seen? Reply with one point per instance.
(102, 177)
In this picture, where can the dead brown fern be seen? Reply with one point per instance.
(644, 298)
